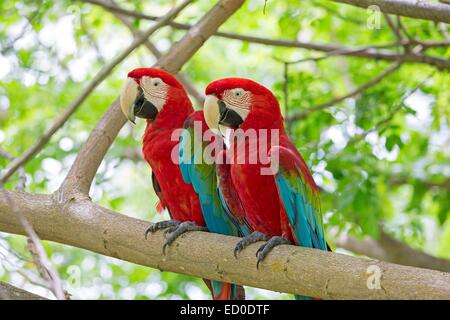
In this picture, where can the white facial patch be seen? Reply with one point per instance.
(238, 100)
(155, 91)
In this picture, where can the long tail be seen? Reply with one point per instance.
(225, 291)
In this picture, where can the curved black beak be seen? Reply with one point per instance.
(143, 108)
(228, 117)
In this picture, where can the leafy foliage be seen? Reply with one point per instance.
(376, 163)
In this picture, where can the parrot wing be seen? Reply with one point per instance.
(229, 196)
(299, 196)
(157, 188)
(202, 176)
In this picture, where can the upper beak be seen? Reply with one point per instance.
(127, 98)
(211, 112)
(218, 114)
(134, 104)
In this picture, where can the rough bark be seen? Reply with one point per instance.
(292, 269)
(9, 292)
(428, 10)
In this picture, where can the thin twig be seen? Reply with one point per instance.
(38, 252)
(394, 27)
(22, 174)
(24, 30)
(368, 52)
(91, 40)
(98, 78)
(391, 115)
(333, 101)
(428, 10)
(286, 93)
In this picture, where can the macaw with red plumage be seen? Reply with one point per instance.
(281, 207)
(157, 96)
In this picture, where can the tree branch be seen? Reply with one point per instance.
(384, 121)
(387, 248)
(46, 269)
(290, 269)
(98, 78)
(401, 180)
(9, 292)
(22, 175)
(303, 114)
(363, 52)
(427, 10)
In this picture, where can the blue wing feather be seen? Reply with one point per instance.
(300, 204)
(203, 178)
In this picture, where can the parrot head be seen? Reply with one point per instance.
(148, 91)
(233, 102)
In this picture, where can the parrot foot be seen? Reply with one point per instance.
(255, 236)
(161, 225)
(174, 232)
(268, 246)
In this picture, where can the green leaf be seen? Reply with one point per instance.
(393, 140)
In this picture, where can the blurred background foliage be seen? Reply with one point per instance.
(396, 174)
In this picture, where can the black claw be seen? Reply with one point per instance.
(257, 263)
(255, 236)
(164, 248)
(160, 225)
(176, 231)
(237, 249)
(259, 250)
(268, 246)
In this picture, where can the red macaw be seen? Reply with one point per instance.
(157, 96)
(278, 206)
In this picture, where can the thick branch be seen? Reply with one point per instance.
(98, 78)
(292, 269)
(427, 10)
(79, 179)
(9, 292)
(390, 249)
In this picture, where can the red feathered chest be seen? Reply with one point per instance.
(160, 151)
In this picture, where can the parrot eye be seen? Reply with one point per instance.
(156, 82)
(238, 92)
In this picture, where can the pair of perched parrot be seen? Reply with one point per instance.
(233, 196)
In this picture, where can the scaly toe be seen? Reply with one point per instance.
(255, 236)
(177, 231)
(264, 250)
(153, 227)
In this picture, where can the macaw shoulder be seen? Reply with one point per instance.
(291, 162)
